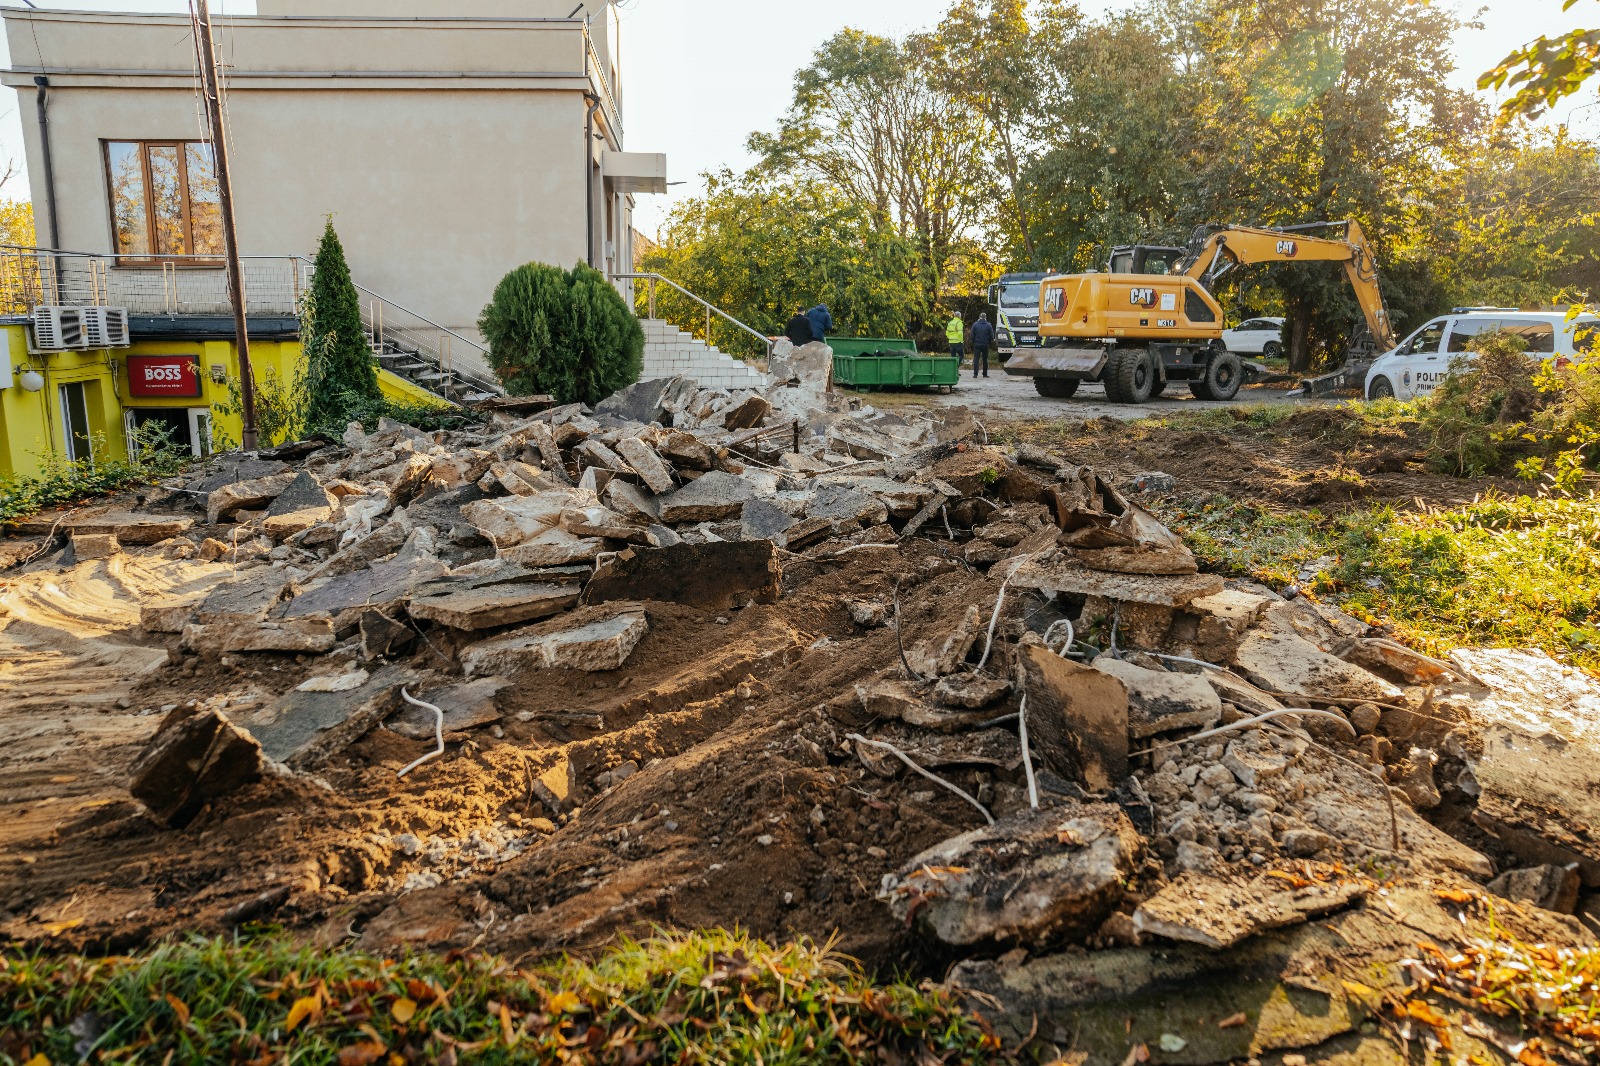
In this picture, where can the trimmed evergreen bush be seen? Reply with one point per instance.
(567, 333)
(341, 375)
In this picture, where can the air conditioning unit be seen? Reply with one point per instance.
(105, 327)
(57, 329)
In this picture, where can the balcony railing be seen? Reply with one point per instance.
(434, 356)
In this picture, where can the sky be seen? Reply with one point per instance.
(701, 75)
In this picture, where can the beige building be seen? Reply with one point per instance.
(450, 140)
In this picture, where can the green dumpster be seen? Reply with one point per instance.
(876, 362)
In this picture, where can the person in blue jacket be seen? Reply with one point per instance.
(821, 322)
(982, 339)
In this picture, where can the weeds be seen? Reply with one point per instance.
(1517, 571)
(708, 997)
(62, 482)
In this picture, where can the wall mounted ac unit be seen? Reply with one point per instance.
(105, 327)
(57, 329)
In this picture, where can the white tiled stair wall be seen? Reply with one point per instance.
(670, 352)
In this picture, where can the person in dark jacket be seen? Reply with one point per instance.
(799, 330)
(982, 338)
(821, 322)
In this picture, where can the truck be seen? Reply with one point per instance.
(1151, 318)
(1015, 299)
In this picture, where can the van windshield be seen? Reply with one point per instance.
(1020, 294)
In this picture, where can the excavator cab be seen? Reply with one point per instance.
(1144, 259)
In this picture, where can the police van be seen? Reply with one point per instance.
(1423, 359)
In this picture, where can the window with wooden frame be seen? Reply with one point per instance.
(165, 199)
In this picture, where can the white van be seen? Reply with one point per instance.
(1423, 359)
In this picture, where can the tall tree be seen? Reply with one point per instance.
(994, 57)
(869, 120)
(341, 374)
(1547, 70)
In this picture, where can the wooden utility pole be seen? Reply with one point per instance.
(230, 236)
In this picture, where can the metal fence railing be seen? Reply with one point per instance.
(434, 356)
(695, 315)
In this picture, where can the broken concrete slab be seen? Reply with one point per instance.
(647, 401)
(650, 467)
(938, 656)
(306, 636)
(713, 577)
(1059, 573)
(194, 758)
(167, 616)
(747, 414)
(592, 639)
(970, 691)
(342, 600)
(514, 520)
(243, 600)
(383, 637)
(711, 498)
(303, 730)
(686, 451)
(632, 503)
(1051, 874)
(1161, 701)
(1077, 717)
(494, 606)
(554, 547)
(1219, 914)
(1242, 694)
(906, 702)
(594, 453)
(1553, 888)
(90, 546)
(604, 523)
(844, 506)
(301, 494)
(762, 519)
(1536, 758)
(466, 707)
(137, 530)
(245, 496)
(1287, 663)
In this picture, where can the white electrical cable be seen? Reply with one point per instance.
(1027, 759)
(935, 778)
(1072, 636)
(438, 730)
(1247, 723)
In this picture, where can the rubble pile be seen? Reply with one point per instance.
(708, 658)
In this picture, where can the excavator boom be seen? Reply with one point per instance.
(1219, 251)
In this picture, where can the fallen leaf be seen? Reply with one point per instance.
(38, 1060)
(564, 1002)
(303, 1008)
(1356, 988)
(180, 1008)
(362, 1054)
(57, 928)
(1234, 1021)
(404, 1010)
(1454, 895)
(1137, 1054)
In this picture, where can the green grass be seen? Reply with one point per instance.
(1505, 571)
(63, 482)
(713, 997)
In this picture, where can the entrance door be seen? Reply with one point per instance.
(200, 431)
(174, 422)
(75, 423)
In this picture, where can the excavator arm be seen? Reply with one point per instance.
(1217, 252)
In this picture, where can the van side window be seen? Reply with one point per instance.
(1584, 336)
(1467, 330)
(1427, 341)
(1539, 336)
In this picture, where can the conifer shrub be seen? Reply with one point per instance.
(567, 333)
(340, 373)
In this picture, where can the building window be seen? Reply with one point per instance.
(165, 199)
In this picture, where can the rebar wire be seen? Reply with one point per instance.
(438, 731)
(935, 778)
(1027, 758)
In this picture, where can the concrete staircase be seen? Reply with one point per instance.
(670, 352)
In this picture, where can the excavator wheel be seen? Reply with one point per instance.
(1056, 388)
(1130, 376)
(1224, 374)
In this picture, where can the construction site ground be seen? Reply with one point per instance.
(744, 807)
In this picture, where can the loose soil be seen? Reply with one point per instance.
(748, 808)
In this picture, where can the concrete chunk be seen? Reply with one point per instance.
(243, 600)
(245, 496)
(87, 546)
(170, 616)
(1287, 663)
(194, 758)
(466, 707)
(712, 498)
(1160, 701)
(594, 640)
(303, 730)
(1077, 717)
(301, 636)
(554, 547)
(1202, 910)
(1058, 573)
(650, 467)
(495, 606)
(514, 520)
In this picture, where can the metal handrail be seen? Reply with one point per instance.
(766, 341)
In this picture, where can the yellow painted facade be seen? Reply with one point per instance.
(34, 427)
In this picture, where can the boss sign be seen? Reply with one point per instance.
(164, 375)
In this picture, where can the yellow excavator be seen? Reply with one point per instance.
(1151, 318)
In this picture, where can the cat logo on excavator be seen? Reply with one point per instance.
(1288, 249)
(1142, 297)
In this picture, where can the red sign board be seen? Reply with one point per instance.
(164, 375)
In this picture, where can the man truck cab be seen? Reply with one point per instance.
(1015, 299)
(1417, 365)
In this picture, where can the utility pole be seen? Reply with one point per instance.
(230, 236)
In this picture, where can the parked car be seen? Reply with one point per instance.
(1423, 359)
(1257, 336)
